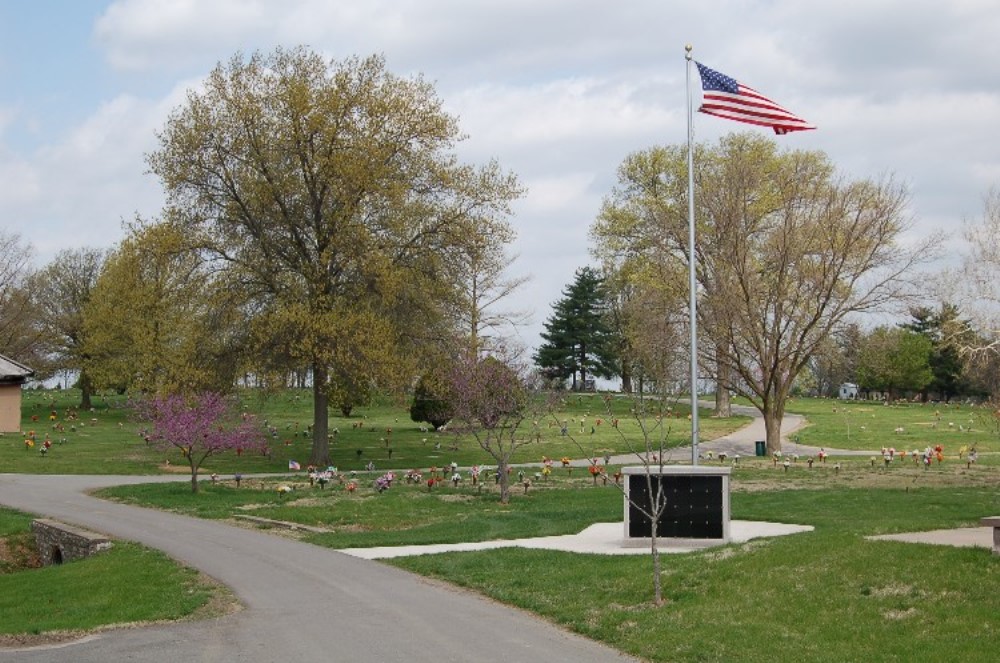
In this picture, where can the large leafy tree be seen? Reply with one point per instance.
(895, 360)
(158, 320)
(63, 289)
(946, 362)
(578, 339)
(786, 252)
(331, 193)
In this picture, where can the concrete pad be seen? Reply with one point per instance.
(966, 537)
(600, 539)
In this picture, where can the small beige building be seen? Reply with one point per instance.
(12, 376)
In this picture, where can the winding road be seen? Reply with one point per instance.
(301, 602)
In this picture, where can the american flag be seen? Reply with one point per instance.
(292, 465)
(728, 98)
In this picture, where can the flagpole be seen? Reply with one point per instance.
(691, 266)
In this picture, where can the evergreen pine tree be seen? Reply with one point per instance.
(578, 342)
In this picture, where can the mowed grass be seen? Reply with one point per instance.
(106, 439)
(565, 502)
(872, 425)
(125, 585)
(828, 595)
(408, 514)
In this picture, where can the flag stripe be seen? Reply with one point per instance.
(727, 98)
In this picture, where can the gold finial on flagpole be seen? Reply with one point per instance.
(688, 48)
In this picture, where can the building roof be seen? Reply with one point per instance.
(13, 372)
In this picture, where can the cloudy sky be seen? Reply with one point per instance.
(559, 91)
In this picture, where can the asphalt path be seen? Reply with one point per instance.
(302, 602)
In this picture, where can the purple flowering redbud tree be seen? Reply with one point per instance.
(491, 400)
(200, 426)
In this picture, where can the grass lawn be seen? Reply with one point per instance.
(106, 440)
(125, 585)
(870, 425)
(829, 595)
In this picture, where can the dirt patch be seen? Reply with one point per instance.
(18, 553)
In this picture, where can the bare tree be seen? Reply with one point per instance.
(652, 415)
(480, 270)
(62, 289)
(786, 252)
(21, 337)
(975, 288)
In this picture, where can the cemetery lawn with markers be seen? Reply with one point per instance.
(107, 440)
(827, 595)
(126, 585)
(905, 426)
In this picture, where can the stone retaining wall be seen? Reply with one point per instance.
(58, 542)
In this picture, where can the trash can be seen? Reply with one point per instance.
(760, 448)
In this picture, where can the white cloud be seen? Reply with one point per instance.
(152, 34)
(558, 91)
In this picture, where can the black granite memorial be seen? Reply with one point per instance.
(697, 503)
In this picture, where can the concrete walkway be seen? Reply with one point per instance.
(600, 539)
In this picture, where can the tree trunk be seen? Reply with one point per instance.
(772, 424)
(657, 579)
(320, 456)
(626, 376)
(504, 476)
(86, 390)
(194, 480)
(723, 405)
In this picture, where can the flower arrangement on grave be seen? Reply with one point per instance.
(323, 478)
(284, 489)
(565, 461)
(237, 478)
(595, 472)
(455, 478)
(546, 471)
(351, 486)
(474, 474)
(431, 482)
